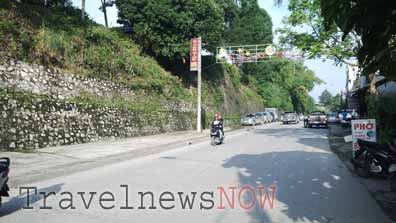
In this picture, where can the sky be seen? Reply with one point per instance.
(333, 76)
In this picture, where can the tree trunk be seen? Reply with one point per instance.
(372, 87)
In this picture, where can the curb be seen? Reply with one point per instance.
(82, 165)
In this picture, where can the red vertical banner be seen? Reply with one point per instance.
(195, 54)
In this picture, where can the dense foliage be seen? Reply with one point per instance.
(164, 28)
(305, 29)
(251, 25)
(375, 24)
(344, 29)
(56, 36)
(285, 85)
(165, 33)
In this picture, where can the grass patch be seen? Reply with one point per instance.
(57, 37)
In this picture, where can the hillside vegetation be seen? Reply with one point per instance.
(57, 37)
(164, 28)
(152, 58)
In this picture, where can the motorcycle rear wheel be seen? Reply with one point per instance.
(212, 141)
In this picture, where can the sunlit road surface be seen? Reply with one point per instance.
(310, 183)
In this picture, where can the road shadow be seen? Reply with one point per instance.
(19, 202)
(316, 138)
(377, 185)
(303, 189)
(337, 130)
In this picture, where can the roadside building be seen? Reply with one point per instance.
(352, 76)
(381, 106)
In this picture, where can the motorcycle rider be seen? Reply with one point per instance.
(219, 119)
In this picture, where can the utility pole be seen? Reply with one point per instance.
(199, 102)
(105, 4)
(105, 16)
(82, 9)
(195, 65)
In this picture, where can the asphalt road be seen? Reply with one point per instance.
(294, 165)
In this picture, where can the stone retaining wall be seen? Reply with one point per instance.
(37, 79)
(38, 109)
(31, 122)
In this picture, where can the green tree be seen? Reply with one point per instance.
(275, 96)
(231, 11)
(375, 24)
(305, 28)
(164, 28)
(337, 103)
(285, 84)
(282, 85)
(326, 98)
(342, 29)
(310, 106)
(253, 25)
(301, 81)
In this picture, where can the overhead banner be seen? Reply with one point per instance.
(255, 54)
(195, 54)
(364, 129)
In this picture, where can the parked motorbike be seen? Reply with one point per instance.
(375, 159)
(216, 134)
(4, 171)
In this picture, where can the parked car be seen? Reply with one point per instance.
(270, 118)
(274, 112)
(316, 119)
(248, 119)
(260, 118)
(345, 116)
(332, 118)
(264, 117)
(290, 117)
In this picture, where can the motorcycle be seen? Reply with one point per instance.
(216, 135)
(375, 159)
(4, 171)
